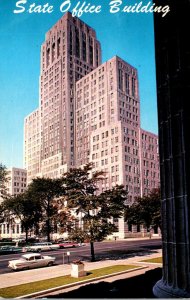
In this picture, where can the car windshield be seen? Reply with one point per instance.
(23, 258)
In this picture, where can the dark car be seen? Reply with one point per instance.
(4, 240)
(10, 249)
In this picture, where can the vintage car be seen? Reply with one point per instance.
(30, 261)
(10, 249)
(68, 244)
(43, 246)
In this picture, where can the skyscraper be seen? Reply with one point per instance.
(90, 112)
(107, 123)
(108, 131)
(69, 52)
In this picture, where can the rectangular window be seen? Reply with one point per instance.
(133, 87)
(127, 83)
(120, 79)
(77, 43)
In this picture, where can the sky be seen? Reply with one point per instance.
(128, 35)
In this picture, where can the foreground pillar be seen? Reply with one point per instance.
(173, 91)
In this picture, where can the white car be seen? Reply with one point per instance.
(30, 261)
(44, 246)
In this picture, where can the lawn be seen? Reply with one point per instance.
(24, 289)
(157, 260)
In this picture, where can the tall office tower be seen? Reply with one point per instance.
(70, 51)
(107, 125)
(150, 169)
(90, 113)
(32, 144)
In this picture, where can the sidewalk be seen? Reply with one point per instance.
(34, 275)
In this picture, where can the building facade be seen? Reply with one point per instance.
(89, 112)
(107, 123)
(108, 131)
(149, 161)
(32, 144)
(69, 52)
(173, 91)
(16, 184)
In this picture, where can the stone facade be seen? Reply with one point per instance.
(16, 184)
(69, 52)
(32, 144)
(90, 112)
(108, 129)
(149, 162)
(173, 90)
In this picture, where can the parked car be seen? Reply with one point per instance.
(6, 240)
(10, 249)
(45, 246)
(30, 261)
(68, 244)
(33, 240)
(19, 240)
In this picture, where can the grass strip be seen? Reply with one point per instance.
(157, 260)
(28, 288)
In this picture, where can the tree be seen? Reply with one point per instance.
(95, 209)
(6, 212)
(3, 180)
(46, 191)
(63, 220)
(145, 210)
(24, 207)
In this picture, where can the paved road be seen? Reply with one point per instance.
(102, 250)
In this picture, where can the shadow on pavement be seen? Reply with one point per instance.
(121, 254)
(135, 287)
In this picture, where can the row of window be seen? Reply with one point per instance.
(7, 228)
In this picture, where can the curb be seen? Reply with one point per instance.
(149, 263)
(41, 293)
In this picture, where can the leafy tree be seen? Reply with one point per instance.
(63, 220)
(45, 191)
(145, 210)
(78, 234)
(24, 207)
(6, 212)
(95, 209)
(3, 180)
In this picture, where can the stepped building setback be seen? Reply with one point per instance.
(89, 112)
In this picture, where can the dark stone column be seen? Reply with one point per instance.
(173, 91)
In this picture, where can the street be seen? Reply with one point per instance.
(103, 250)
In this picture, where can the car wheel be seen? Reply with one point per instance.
(39, 250)
(73, 246)
(50, 264)
(14, 270)
(61, 247)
